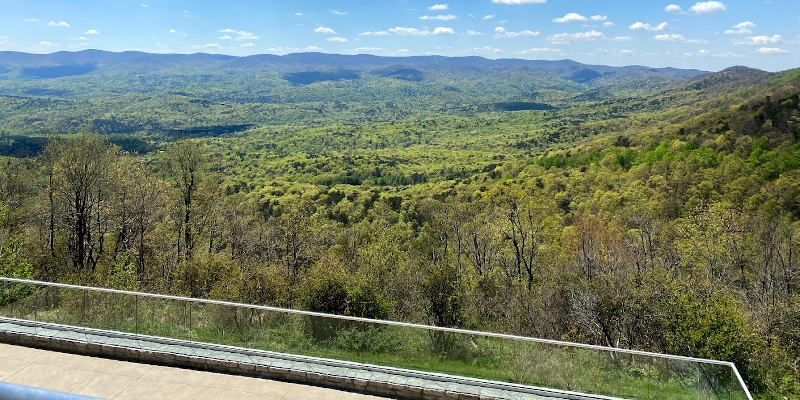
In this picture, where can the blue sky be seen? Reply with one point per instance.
(708, 35)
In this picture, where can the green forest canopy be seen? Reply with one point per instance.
(663, 219)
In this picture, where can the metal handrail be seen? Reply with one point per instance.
(11, 391)
(393, 323)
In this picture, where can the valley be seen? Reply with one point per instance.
(644, 208)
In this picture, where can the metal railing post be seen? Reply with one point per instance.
(247, 326)
(35, 306)
(191, 330)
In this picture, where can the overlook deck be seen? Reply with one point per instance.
(121, 380)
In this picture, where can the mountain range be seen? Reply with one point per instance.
(135, 92)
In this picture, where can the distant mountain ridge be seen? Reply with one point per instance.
(136, 92)
(736, 74)
(17, 65)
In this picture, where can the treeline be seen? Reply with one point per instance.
(670, 253)
(683, 240)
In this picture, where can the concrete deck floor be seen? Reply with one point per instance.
(111, 379)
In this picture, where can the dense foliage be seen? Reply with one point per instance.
(664, 220)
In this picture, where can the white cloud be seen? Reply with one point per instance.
(571, 17)
(240, 35)
(248, 45)
(674, 8)
(704, 52)
(144, 5)
(541, 50)
(489, 16)
(438, 7)
(678, 38)
(517, 2)
(401, 31)
(486, 49)
(403, 51)
(81, 38)
(608, 24)
(626, 52)
(567, 38)
(408, 31)
(337, 12)
(226, 37)
(91, 32)
(211, 46)
(501, 32)
(599, 18)
(730, 55)
(172, 31)
(30, 19)
(286, 50)
(375, 33)
(623, 39)
(369, 49)
(638, 26)
(670, 38)
(337, 39)
(761, 40)
(447, 17)
(741, 28)
(46, 44)
(298, 14)
(708, 7)
(771, 50)
(59, 24)
(473, 33)
(325, 30)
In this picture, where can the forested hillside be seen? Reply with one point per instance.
(658, 212)
(149, 94)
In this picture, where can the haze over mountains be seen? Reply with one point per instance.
(139, 62)
(303, 88)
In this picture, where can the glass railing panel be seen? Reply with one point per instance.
(720, 382)
(675, 379)
(641, 377)
(360, 342)
(17, 300)
(110, 311)
(161, 317)
(534, 362)
(714, 383)
(278, 332)
(219, 324)
(61, 306)
(580, 370)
